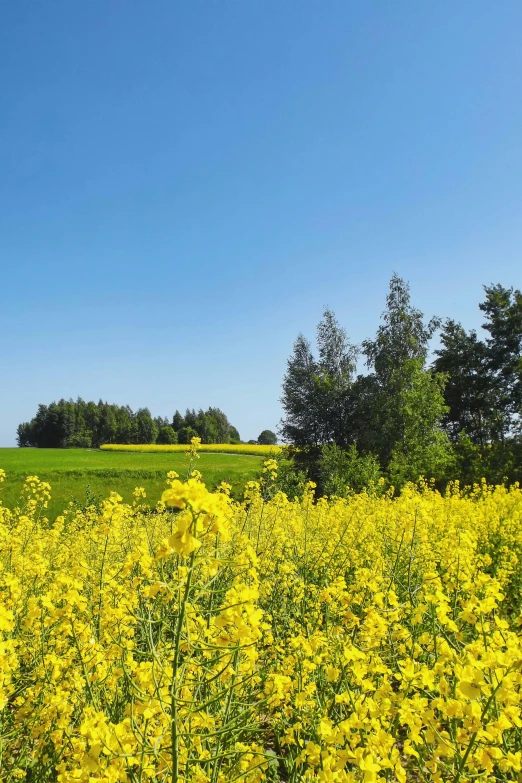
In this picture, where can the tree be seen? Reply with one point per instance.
(221, 425)
(405, 401)
(234, 435)
(178, 422)
(389, 419)
(301, 424)
(484, 388)
(191, 418)
(316, 393)
(423, 448)
(335, 370)
(186, 435)
(167, 435)
(107, 429)
(403, 334)
(212, 426)
(24, 435)
(146, 429)
(468, 392)
(68, 424)
(267, 438)
(503, 310)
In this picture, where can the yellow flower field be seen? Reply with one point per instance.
(241, 448)
(203, 640)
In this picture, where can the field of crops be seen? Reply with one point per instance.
(368, 639)
(82, 473)
(214, 448)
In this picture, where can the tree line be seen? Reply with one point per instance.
(456, 417)
(80, 424)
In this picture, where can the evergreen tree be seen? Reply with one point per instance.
(503, 310)
(316, 393)
(301, 423)
(468, 393)
(178, 422)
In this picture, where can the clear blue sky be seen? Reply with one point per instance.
(185, 185)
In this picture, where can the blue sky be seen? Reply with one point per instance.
(185, 185)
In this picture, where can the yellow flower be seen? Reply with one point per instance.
(182, 540)
(469, 690)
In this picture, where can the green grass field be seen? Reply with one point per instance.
(74, 472)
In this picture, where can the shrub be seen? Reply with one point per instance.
(343, 470)
(81, 440)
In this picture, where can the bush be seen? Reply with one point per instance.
(341, 471)
(82, 440)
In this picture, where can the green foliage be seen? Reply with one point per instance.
(267, 438)
(498, 462)
(341, 471)
(80, 440)
(469, 459)
(145, 428)
(316, 392)
(484, 389)
(291, 479)
(212, 426)
(462, 416)
(167, 435)
(503, 310)
(402, 405)
(186, 435)
(467, 393)
(80, 424)
(422, 447)
(234, 435)
(23, 435)
(178, 422)
(402, 336)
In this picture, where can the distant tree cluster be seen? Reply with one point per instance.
(80, 424)
(458, 418)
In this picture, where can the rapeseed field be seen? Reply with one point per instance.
(374, 638)
(229, 448)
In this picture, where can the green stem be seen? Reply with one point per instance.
(175, 666)
(100, 589)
